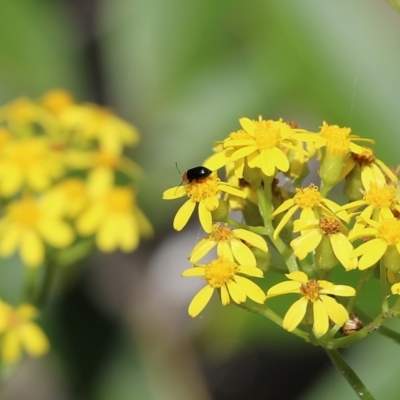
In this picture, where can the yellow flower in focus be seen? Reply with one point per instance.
(28, 225)
(316, 293)
(312, 232)
(207, 192)
(383, 243)
(116, 221)
(223, 274)
(311, 203)
(92, 122)
(28, 163)
(230, 245)
(261, 144)
(19, 332)
(379, 200)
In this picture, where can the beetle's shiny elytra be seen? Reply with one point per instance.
(195, 174)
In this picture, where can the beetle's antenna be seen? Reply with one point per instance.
(176, 165)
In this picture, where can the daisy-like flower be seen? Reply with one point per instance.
(28, 225)
(379, 200)
(383, 243)
(316, 293)
(207, 192)
(230, 244)
(312, 233)
(311, 203)
(337, 142)
(20, 332)
(92, 122)
(28, 163)
(225, 275)
(261, 143)
(57, 101)
(366, 165)
(116, 221)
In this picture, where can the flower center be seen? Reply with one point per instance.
(269, 134)
(329, 225)
(203, 188)
(367, 156)
(25, 212)
(221, 233)
(308, 197)
(380, 197)
(337, 139)
(120, 200)
(107, 159)
(220, 271)
(13, 320)
(310, 290)
(389, 231)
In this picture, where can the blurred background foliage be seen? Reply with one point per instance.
(184, 73)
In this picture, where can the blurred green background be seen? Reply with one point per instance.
(184, 73)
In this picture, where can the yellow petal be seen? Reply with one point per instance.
(284, 288)
(196, 271)
(342, 249)
(11, 347)
(174, 193)
(183, 214)
(236, 292)
(205, 217)
(225, 298)
(396, 288)
(32, 249)
(284, 221)
(295, 314)
(199, 301)
(34, 340)
(225, 251)
(242, 253)
(201, 249)
(251, 290)
(321, 320)
(252, 238)
(306, 243)
(298, 276)
(337, 313)
(373, 253)
(251, 271)
(280, 159)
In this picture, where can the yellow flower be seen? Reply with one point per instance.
(116, 221)
(91, 122)
(369, 167)
(311, 203)
(72, 194)
(230, 244)
(19, 332)
(261, 144)
(28, 163)
(383, 243)
(223, 274)
(206, 192)
(314, 230)
(317, 293)
(28, 225)
(57, 101)
(379, 200)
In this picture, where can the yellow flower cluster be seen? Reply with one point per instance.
(66, 186)
(265, 164)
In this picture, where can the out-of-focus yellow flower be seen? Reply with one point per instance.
(28, 163)
(116, 221)
(223, 274)
(318, 294)
(19, 332)
(28, 225)
(91, 122)
(57, 101)
(312, 205)
(206, 192)
(230, 244)
(313, 231)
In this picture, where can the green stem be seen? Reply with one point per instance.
(30, 283)
(267, 312)
(347, 372)
(383, 282)
(49, 274)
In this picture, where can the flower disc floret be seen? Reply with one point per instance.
(224, 275)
